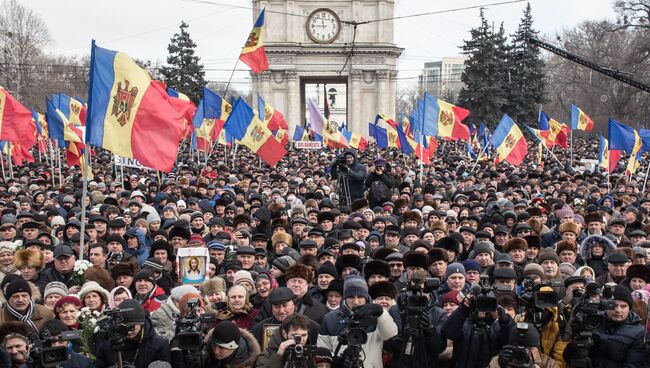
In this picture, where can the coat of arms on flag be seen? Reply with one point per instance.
(123, 102)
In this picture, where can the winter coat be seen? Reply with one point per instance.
(258, 330)
(163, 319)
(141, 253)
(244, 357)
(154, 300)
(78, 361)
(616, 344)
(599, 265)
(151, 347)
(244, 321)
(428, 346)
(331, 328)
(40, 316)
(474, 349)
(311, 308)
(51, 274)
(271, 359)
(356, 175)
(388, 181)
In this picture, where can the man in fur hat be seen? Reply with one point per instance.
(298, 278)
(30, 262)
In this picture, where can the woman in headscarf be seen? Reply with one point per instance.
(238, 308)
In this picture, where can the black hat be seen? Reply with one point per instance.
(259, 236)
(316, 231)
(530, 337)
(63, 250)
(504, 273)
(144, 274)
(30, 225)
(344, 233)
(335, 285)
(392, 229)
(17, 286)
(116, 223)
(416, 259)
(308, 244)
(573, 279)
(383, 288)
(351, 245)
(132, 312)
(327, 268)
(448, 243)
(115, 238)
(226, 336)
(280, 295)
(622, 293)
(349, 260)
(376, 267)
(246, 250)
(617, 258)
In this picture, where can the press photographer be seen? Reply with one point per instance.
(230, 346)
(131, 338)
(523, 350)
(350, 176)
(191, 325)
(349, 327)
(606, 333)
(478, 328)
(295, 349)
(52, 348)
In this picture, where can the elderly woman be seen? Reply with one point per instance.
(595, 249)
(54, 291)
(238, 309)
(7, 259)
(118, 295)
(67, 310)
(214, 291)
(94, 296)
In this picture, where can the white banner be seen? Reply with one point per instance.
(129, 162)
(310, 145)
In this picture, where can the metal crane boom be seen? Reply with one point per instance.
(613, 73)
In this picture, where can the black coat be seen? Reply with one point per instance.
(51, 274)
(356, 175)
(152, 348)
(311, 308)
(427, 347)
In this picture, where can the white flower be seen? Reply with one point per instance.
(85, 309)
(93, 321)
(96, 329)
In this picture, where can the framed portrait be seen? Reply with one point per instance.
(192, 265)
(268, 332)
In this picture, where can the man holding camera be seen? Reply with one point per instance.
(618, 339)
(294, 332)
(356, 307)
(53, 329)
(523, 350)
(229, 346)
(353, 172)
(142, 345)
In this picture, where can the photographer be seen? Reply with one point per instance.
(523, 351)
(353, 172)
(379, 183)
(53, 329)
(142, 345)
(230, 346)
(617, 340)
(282, 351)
(356, 307)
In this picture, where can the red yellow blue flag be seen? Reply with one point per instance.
(253, 53)
(509, 142)
(129, 114)
(580, 120)
(73, 109)
(442, 119)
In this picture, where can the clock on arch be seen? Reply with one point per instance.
(323, 26)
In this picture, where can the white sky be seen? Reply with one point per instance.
(143, 28)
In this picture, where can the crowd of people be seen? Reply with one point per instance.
(451, 266)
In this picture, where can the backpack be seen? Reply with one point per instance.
(378, 191)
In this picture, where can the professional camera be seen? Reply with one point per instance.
(114, 258)
(189, 335)
(300, 356)
(413, 305)
(114, 328)
(520, 354)
(341, 165)
(353, 336)
(43, 354)
(484, 298)
(537, 301)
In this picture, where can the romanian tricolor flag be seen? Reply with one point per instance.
(356, 140)
(16, 121)
(580, 120)
(253, 53)
(442, 119)
(300, 134)
(74, 110)
(607, 159)
(19, 154)
(245, 127)
(273, 118)
(509, 142)
(129, 114)
(332, 137)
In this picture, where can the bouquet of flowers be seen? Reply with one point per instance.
(87, 328)
(79, 270)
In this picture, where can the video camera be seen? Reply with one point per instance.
(589, 312)
(484, 298)
(300, 356)
(521, 354)
(43, 354)
(537, 301)
(341, 165)
(413, 303)
(114, 328)
(189, 335)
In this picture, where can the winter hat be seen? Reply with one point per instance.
(29, 257)
(567, 269)
(183, 303)
(565, 211)
(153, 264)
(455, 268)
(282, 263)
(471, 265)
(243, 276)
(117, 290)
(451, 297)
(90, 286)
(68, 299)
(132, 312)
(123, 269)
(17, 286)
(327, 268)
(55, 287)
(298, 271)
(144, 275)
(355, 285)
(563, 245)
(227, 335)
(348, 260)
(548, 254)
(383, 288)
(178, 292)
(213, 285)
(515, 243)
(571, 227)
(623, 294)
(376, 267)
(416, 259)
(533, 269)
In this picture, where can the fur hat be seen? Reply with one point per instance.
(438, 254)
(123, 269)
(383, 288)
(566, 245)
(213, 285)
(29, 257)
(179, 231)
(358, 204)
(299, 271)
(280, 222)
(638, 271)
(515, 243)
(570, 227)
(14, 327)
(411, 216)
(347, 260)
(448, 243)
(281, 238)
(548, 254)
(416, 259)
(100, 276)
(594, 217)
(383, 252)
(376, 267)
(439, 225)
(533, 241)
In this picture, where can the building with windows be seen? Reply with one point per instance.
(442, 78)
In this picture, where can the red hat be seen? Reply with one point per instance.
(451, 297)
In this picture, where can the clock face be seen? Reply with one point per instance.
(323, 26)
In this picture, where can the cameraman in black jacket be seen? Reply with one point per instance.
(379, 183)
(354, 171)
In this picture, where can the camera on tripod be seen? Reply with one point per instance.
(43, 354)
(341, 165)
(189, 335)
(536, 301)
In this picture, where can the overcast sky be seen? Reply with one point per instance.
(143, 28)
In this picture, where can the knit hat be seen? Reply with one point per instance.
(144, 275)
(132, 312)
(471, 265)
(355, 285)
(451, 297)
(455, 268)
(242, 276)
(17, 286)
(323, 355)
(68, 299)
(327, 268)
(282, 263)
(227, 335)
(548, 254)
(55, 287)
(565, 211)
(533, 269)
(153, 264)
(623, 294)
(483, 247)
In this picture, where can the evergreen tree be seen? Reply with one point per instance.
(526, 84)
(484, 92)
(184, 73)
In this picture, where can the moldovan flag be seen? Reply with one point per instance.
(332, 137)
(74, 110)
(607, 159)
(41, 129)
(300, 134)
(553, 131)
(626, 138)
(356, 140)
(244, 126)
(273, 118)
(442, 119)
(385, 118)
(206, 131)
(253, 53)
(509, 142)
(19, 154)
(15, 121)
(580, 120)
(129, 114)
(182, 101)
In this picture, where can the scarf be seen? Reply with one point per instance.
(229, 313)
(8, 269)
(25, 318)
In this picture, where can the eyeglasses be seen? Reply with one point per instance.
(396, 265)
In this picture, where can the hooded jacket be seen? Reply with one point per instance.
(149, 348)
(142, 252)
(356, 175)
(244, 357)
(599, 265)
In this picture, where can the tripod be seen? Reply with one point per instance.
(343, 189)
(351, 356)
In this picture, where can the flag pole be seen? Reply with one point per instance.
(9, 161)
(2, 163)
(225, 93)
(571, 151)
(553, 155)
(478, 158)
(84, 193)
(49, 146)
(646, 178)
(421, 154)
